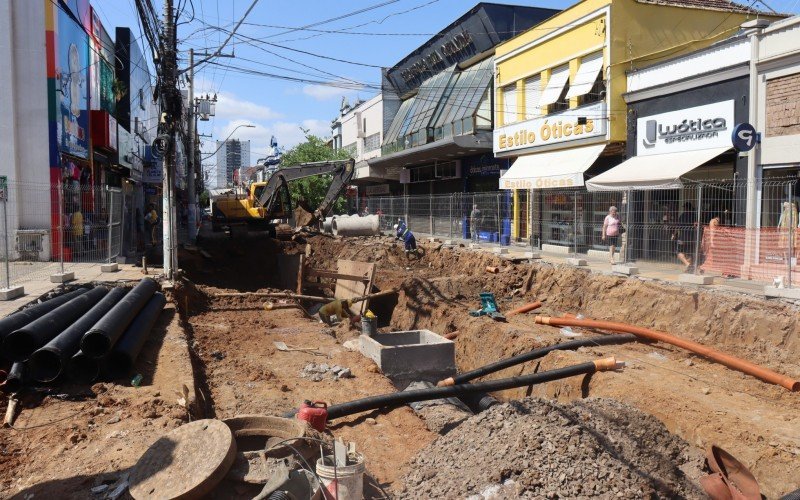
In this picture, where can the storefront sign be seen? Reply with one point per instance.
(691, 129)
(437, 57)
(744, 137)
(379, 190)
(72, 87)
(561, 181)
(152, 173)
(556, 128)
(104, 130)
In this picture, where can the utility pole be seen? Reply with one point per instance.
(171, 120)
(191, 156)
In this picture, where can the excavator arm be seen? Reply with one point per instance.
(341, 170)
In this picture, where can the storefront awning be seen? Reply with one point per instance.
(555, 86)
(553, 169)
(661, 171)
(587, 74)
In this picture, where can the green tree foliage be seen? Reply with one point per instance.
(311, 190)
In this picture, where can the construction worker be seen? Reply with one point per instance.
(405, 234)
(335, 311)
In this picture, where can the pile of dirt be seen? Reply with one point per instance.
(542, 449)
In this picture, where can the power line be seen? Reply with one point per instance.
(343, 16)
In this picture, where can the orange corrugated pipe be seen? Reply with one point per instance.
(732, 362)
(526, 308)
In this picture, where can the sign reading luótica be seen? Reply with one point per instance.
(689, 129)
(555, 128)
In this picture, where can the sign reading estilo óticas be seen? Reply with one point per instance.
(556, 128)
(701, 127)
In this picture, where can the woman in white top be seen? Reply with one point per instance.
(611, 226)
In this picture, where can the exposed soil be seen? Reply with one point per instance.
(535, 448)
(70, 446)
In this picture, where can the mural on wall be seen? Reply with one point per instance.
(72, 64)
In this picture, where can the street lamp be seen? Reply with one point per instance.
(246, 125)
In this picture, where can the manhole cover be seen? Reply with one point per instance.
(188, 462)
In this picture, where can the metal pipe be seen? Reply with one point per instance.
(731, 362)
(21, 343)
(16, 377)
(396, 399)
(356, 226)
(99, 340)
(19, 319)
(47, 363)
(83, 369)
(120, 360)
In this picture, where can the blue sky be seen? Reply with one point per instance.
(280, 107)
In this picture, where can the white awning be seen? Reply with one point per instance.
(553, 169)
(652, 171)
(555, 86)
(586, 75)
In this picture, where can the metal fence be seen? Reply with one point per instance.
(48, 229)
(698, 228)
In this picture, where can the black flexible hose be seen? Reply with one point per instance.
(100, 339)
(19, 319)
(465, 377)
(47, 363)
(396, 399)
(21, 343)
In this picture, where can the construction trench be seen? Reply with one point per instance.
(636, 431)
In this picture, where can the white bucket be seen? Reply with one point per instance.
(344, 482)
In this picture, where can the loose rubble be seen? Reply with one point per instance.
(535, 448)
(318, 372)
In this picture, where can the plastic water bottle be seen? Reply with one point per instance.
(137, 380)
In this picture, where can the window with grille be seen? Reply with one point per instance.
(372, 142)
(597, 94)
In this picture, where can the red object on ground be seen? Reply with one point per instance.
(316, 414)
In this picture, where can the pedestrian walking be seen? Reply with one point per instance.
(474, 222)
(684, 236)
(612, 229)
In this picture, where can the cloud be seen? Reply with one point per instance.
(326, 92)
(229, 106)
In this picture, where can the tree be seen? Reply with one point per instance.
(311, 190)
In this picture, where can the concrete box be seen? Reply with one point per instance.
(576, 262)
(625, 269)
(555, 249)
(12, 293)
(62, 277)
(696, 279)
(109, 268)
(782, 293)
(411, 355)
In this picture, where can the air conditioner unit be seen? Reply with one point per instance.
(361, 129)
(32, 244)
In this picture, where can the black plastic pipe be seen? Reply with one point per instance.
(99, 340)
(83, 369)
(21, 343)
(465, 377)
(120, 360)
(478, 401)
(17, 320)
(48, 362)
(16, 377)
(396, 399)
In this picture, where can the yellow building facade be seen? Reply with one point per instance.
(559, 86)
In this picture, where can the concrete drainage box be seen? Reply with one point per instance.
(411, 355)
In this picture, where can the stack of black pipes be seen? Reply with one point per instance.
(80, 333)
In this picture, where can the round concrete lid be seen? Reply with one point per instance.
(188, 462)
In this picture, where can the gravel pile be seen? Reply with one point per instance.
(535, 448)
(319, 372)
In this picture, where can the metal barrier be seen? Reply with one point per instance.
(698, 228)
(49, 229)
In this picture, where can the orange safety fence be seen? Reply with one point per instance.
(724, 250)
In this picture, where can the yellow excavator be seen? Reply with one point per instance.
(270, 200)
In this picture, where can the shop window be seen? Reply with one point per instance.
(597, 94)
(510, 104)
(446, 170)
(422, 174)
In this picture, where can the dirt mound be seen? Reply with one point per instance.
(537, 448)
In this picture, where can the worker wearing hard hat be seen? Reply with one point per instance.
(405, 234)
